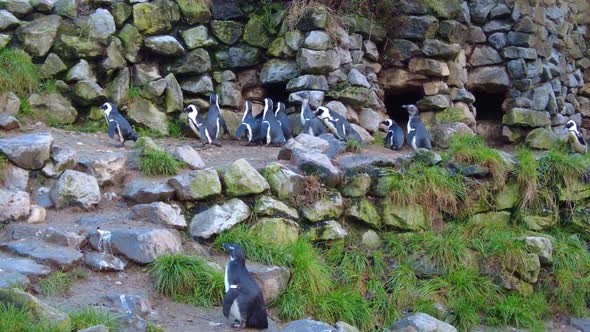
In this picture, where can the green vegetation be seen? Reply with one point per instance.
(151, 327)
(16, 319)
(59, 283)
(134, 93)
(17, 73)
(48, 86)
(353, 145)
(87, 127)
(157, 162)
(188, 279)
(25, 109)
(92, 316)
(379, 139)
(520, 312)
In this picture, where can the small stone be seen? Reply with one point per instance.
(38, 215)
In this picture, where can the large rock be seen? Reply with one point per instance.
(42, 252)
(491, 219)
(24, 266)
(527, 118)
(283, 182)
(146, 192)
(363, 211)
(414, 27)
(38, 36)
(407, 218)
(39, 310)
(356, 186)
(194, 11)
(279, 231)
(142, 111)
(196, 185)
(159, 213)
(317, 40)
(239, 56)
(200, 85)
(528, 269)
(29, 151)
(88, 93)
(429, 67)
(241, 179)
(75, 189)
(198, 37)
(438, 49)
(273, 280)
(174, 98)
(328, 207)
(9, 103)
(494, 78)
(308, 325)
(101, 24)
(278, 71)
(539, 223)
(52, 107)
(8, 122)
(196, 62)
(8, 21)
(132, 41)
(255, 32)
(109, 168)
(442, 133)
(80, 71)
(316, 163)
(270, 207)
(420, 322)
(227, 31)
(164, 45)
(508, 197)
(484, 55)
(142, 246)
(317, 62)
(48, 234)
(14, 178)
(326, 231)
(219, 218)
(434, 103)
(75, 47)
(542, 139)
(542, 247)
(15, 205)
(308, 82)
(155, 17)
(189, 156)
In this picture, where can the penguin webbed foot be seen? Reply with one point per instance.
(238, 324)
(216, 143)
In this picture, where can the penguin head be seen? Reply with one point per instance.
(322, 112)
(235, 252)
(571, 125)
(388, 123)
(191, 108)
(107, 108)
(411, 109)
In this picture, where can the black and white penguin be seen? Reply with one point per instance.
(283, 118)
(311, 124)
(395, 135)
(250, 126)
(271, 128)
(212, 126)
(117, 124)
(195, 120)
(243, 297)
(418, 136)
(337, 124)
(575, 138)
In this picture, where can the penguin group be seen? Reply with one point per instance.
(207, 129)
(417, 134)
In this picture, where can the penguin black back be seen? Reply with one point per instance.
(250, 125)
(117, 124)
(418, 136)
(395, 135)
(243, 297)
(283, 118)
(271, 130)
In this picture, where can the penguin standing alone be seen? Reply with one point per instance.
(195, 120)
(243, 297)
(418, 136)
(575, 138)
(212, 126)
(311, 124)
(117, 124)
(337, 124)
(250, 125)
(284, 121)
(395, 135)
(271, 128)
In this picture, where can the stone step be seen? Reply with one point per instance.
(58, 257)
(24, 266)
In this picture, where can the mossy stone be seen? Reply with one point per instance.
(198, 37)
(121, 12)
(39, 310)
(241, 179)
(352, 95)
(206, 184)
(576, 192)
(528, 269)
(155, 17)
(276, 47)
(491, 219)
(195, 11)
(227, 31)
(329, 207)
(409, 218)
(363, 211)
(326, 231)
(270, 207)
(508, 197)
(356, 186)
(277, 230)
(283, 182)
(451, 115)
(132, 41)
(255, 33)
(539, 223)
(74, 47)
(294, 39)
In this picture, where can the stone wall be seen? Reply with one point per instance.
(154, 57)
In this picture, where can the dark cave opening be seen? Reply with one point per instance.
(489, 114)
(395, 99)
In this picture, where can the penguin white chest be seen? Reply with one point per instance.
(235, 310)
(332, 128)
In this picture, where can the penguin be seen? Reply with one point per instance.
(417, 136)
(575, 138)
(117, 124)
(195, 120)
(395, 135)
(243, 297)
(271, 128)
(284, 121)
(212, 126)
(311, 124)
(250, 125)
(337, 124)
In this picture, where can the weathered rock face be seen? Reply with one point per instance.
(15, 205)
(196, 185)
(29, 151)
(44, 253)
(75, 189)
(241, 179)
(283, 182)
(54, 107)
(277, 230)
(219, 218)
(109, 168)
(148, 192)
(330, 207)
(139, 245)
(160, 213)
(273, 280)
(422, 323)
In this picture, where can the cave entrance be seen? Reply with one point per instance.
(278, 93)
(394, 99)
(488, 105)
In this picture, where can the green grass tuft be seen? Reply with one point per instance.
(379, 139)
(134, 93)
(17, 72)
(15, 319)
(92, 316)
(353, 145)
(188, 279)
(158, 162)
(25, 109)
(343, 304)
(520, 312)
(57, 283)
(527, 177)
(48, 86)
(153, 133)
(151, 327)
(254, 247)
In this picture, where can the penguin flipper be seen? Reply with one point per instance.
(112, 129)
(389, 139)
(229, 299)
(224, 126)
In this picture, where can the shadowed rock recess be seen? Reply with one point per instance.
(488, 231)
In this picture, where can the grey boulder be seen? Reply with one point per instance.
(219, 218)
(29, 151)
